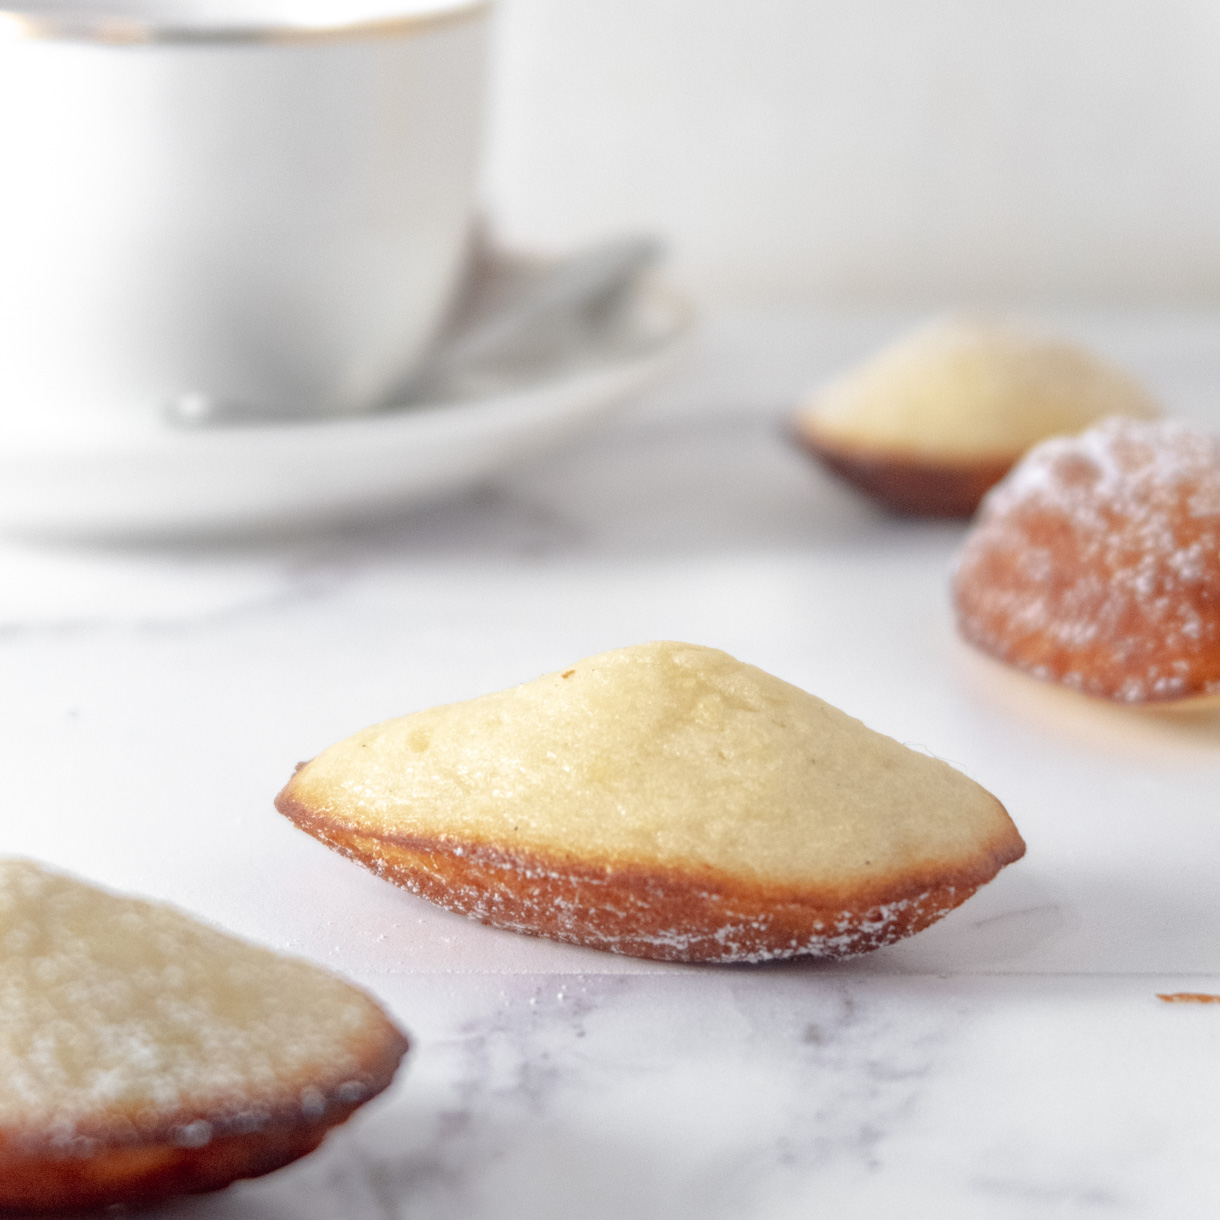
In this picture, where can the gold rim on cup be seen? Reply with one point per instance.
(127, 31)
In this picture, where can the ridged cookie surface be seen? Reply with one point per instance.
(664, 801)
(144, 1055)
(1096, 564)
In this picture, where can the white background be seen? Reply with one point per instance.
(865, 152)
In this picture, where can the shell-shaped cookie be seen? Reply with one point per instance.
(1096, 564)
(663, 801)
(144, 1054)
(932, 422)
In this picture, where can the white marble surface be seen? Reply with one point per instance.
(1013, 1061)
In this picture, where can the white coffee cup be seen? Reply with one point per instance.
(205, 198)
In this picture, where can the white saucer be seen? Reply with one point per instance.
(161, 482)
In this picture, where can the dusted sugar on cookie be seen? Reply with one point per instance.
(145, 1055)
(1096, 564)
(663, 801)
(931, 423)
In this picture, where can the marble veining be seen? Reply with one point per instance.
(1012, 1061)
(720, 1094)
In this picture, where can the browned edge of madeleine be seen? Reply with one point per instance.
(1040, 675)
(110, 1165)
(910, 484)
(650, 911)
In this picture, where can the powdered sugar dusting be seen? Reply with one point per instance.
(121, 1020)
(1096, 563)
(636, 917)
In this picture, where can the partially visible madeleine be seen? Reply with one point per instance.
(1096, 564)
(932, 422)
(663, 801)
(144, 1055)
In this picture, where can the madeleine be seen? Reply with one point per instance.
(662, 801)
(145, 1055)
(1096, 565)
(931, 423)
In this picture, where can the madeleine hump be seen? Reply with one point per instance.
(931, 423)
(145, 1055)
(662, 801)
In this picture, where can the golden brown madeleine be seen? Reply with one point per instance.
(661, 801)
(931, 423)
(908, 483)
(145, 1055)
(1096, 564)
